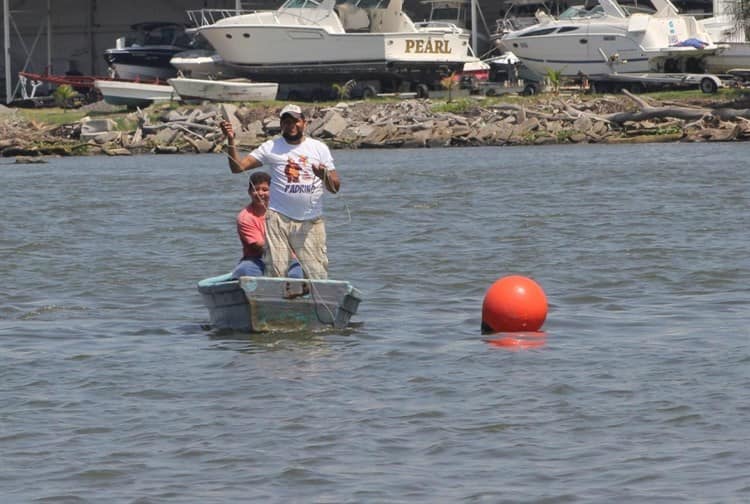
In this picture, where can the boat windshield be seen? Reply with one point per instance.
(366, 4)
(580, 12)
(301, 4)
(441, 13)
(159, 35)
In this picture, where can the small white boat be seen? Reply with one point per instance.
(230, 90)
(259, 304)
(134, 94)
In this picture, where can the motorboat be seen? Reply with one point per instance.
(606, 39)
(227, 90)
(134, 94)
(724, 28)
(145, 52)
(260, 304)
(311, 40)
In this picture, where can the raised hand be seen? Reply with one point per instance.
(226, 128)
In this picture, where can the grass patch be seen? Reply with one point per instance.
(455, 106)
(52, 115)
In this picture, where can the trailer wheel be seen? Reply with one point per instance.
(490, 92)
(708, 85)
(422, 91)
(529, 90)
(368, 92)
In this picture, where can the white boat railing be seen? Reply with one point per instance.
(442, 26)
(207, 17)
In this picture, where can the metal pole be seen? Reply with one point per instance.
(49, 36)
(6, 49)
(474, 25)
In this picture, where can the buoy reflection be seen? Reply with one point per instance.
(518, 340)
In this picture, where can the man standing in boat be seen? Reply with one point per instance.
(301, 167)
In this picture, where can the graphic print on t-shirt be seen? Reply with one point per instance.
(292, 170)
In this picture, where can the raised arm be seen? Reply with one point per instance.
(236, 164)
(329, 177)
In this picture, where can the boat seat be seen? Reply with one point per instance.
(353, 18)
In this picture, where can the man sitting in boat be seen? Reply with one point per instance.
(251, 228)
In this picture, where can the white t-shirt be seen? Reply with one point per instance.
(295, 190)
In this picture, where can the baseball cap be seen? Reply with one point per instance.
(293, 110)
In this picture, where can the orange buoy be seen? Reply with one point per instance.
(513, 303)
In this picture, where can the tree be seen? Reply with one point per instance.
(63, 95)
(450, 82)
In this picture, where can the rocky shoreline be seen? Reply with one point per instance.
(374, 124)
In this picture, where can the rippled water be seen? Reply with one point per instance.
(112, 388)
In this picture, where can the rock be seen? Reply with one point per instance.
(379, 135)
(166, 149)
(583, 123)
(104, 137)
(174, 115)
(201, 146)
(333, 124)
(440, 137)
(116, 151)
(416, 139)
(98, 130)
(247, 140)
(362, 130)
(229, 112)
(30, 160)
(165, 136)
(577, 137)
(272, 126)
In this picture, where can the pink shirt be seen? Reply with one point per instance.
(251, 229)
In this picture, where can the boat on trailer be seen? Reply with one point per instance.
(261, 304)
(145, 52)
(313, 41)
(607, 39)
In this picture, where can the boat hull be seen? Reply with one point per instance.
(133, 64)
(236, 47)
(261, 304)
(736, 55)
(240, 90)
(601, 46)
(134, 94)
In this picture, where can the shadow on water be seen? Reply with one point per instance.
(273, 341)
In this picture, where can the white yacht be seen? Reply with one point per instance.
(309, 40)
(607, 39)
(725, 28)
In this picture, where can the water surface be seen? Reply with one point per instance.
(114, 389)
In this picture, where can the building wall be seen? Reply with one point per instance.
(81, 31)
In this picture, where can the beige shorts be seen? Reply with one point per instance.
(306, 239)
